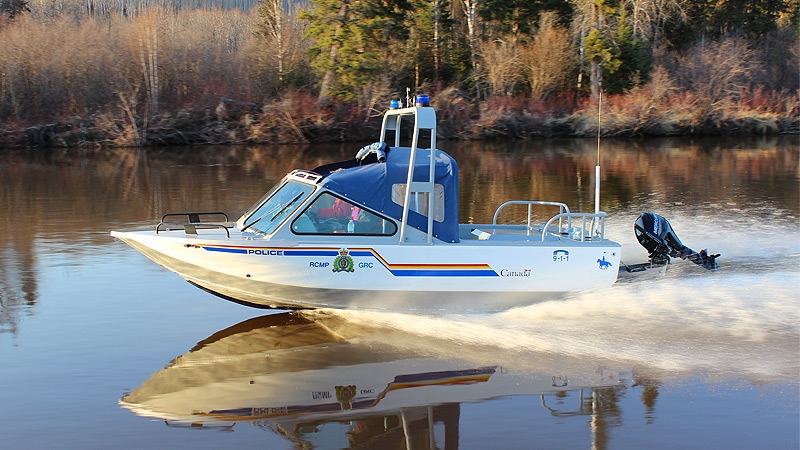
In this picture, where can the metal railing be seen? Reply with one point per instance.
(193, 222)
(596, 228)
(562, 209)
(592, 226)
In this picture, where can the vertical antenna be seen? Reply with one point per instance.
(597, 167)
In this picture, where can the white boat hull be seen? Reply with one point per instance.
(468, 276)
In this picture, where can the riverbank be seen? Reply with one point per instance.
(297, 119)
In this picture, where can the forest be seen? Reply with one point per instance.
(103, 73)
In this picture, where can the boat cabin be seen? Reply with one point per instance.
(370, 195)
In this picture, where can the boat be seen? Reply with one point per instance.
(381, 231)
(297, 372)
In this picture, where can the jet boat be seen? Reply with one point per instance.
(381, 231)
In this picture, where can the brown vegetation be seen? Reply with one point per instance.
(547, 58)
(196, 76)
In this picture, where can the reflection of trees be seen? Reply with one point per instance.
(75, 198)
(410, 427)
(18, 287)
(669, 170)
(57, 193)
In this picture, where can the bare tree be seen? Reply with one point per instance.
(148, 55)
(437, 18)
(282, 32)
(273, 14)
(129, 8)
(502, 58)
(717, 72)
(648, 17)
(548, 57)
(471, 15)
(374, 96)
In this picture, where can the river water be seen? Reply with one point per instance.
(100, 348)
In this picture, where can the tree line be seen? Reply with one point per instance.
(109, 72)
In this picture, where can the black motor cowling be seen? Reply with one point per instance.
(657, 236)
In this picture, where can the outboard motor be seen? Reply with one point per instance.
(657, 236)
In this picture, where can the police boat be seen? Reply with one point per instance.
(381, 231)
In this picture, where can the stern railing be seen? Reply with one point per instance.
(565, 224)
(592, 226)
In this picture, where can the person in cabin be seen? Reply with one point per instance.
(339, 210)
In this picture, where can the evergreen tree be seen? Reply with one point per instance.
(350, 40)
(605, 58)
(754, 17)
(596, 49)
(13, 8)
(634, 55)
(714, 19)
(522, 16)
(423, 56)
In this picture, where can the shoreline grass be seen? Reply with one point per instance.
(295, 118)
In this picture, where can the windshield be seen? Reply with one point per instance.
(280, 205)
(328, 214)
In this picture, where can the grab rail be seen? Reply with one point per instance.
(562, 209)
(194, 222)
(194, 217)
(597, 226)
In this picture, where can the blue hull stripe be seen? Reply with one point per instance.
(242, 251)
(398, 272)
(310, 252)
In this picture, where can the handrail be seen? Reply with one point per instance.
(597, 225)
(562, 209)
(194, 217)
(194, 222)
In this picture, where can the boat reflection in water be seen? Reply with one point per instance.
(294, 372)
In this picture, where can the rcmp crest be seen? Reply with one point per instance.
(343, 262)
(345, 396)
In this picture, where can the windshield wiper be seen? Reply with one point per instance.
(282, 210)
(250, 225)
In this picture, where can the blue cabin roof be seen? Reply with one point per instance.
(372, 184)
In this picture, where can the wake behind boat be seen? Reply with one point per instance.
(381, 231)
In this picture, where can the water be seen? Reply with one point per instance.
(683, 359)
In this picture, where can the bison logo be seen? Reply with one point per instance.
(345, 395)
